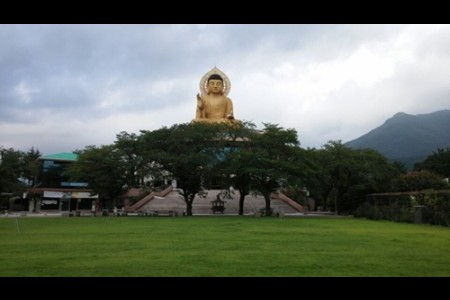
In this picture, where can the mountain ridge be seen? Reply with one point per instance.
(408, 138)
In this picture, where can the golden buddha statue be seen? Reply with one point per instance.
(213, 105)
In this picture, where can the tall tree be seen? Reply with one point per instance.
(31, 166)
(128, 145)
(348, 174)
(272, 164)
(307, 175)
(236, 153)
(372, 173)
(104, 169)
(10, 170)
(185, 152)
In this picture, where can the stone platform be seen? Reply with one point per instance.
(174, 202)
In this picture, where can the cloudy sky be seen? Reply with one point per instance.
(63, 87)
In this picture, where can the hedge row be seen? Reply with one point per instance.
(403, 207)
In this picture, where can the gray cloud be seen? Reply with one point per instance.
(66, 86)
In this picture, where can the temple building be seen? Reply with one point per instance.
(54, 192)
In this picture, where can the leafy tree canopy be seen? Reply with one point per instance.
(104, 168)
(417, 181)
(438, 162)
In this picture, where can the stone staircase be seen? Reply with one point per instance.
(288, 201)
(141, 203)
(174, 201)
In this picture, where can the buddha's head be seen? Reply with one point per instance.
(215, 84)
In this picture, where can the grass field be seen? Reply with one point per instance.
(220, 246)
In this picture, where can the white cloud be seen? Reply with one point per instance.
(24, 91)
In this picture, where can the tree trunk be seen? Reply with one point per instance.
(188, 208)
(338, 201)
(189, 200)
(267, 198)
(31, 205)
(241, 203)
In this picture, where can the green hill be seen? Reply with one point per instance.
(408, 138)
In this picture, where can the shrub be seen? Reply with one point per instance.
(417, 181)
(399, 207)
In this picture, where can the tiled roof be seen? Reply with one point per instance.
(67, 156)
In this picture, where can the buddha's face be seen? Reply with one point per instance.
(215, 86)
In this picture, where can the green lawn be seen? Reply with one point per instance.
(220, 246)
